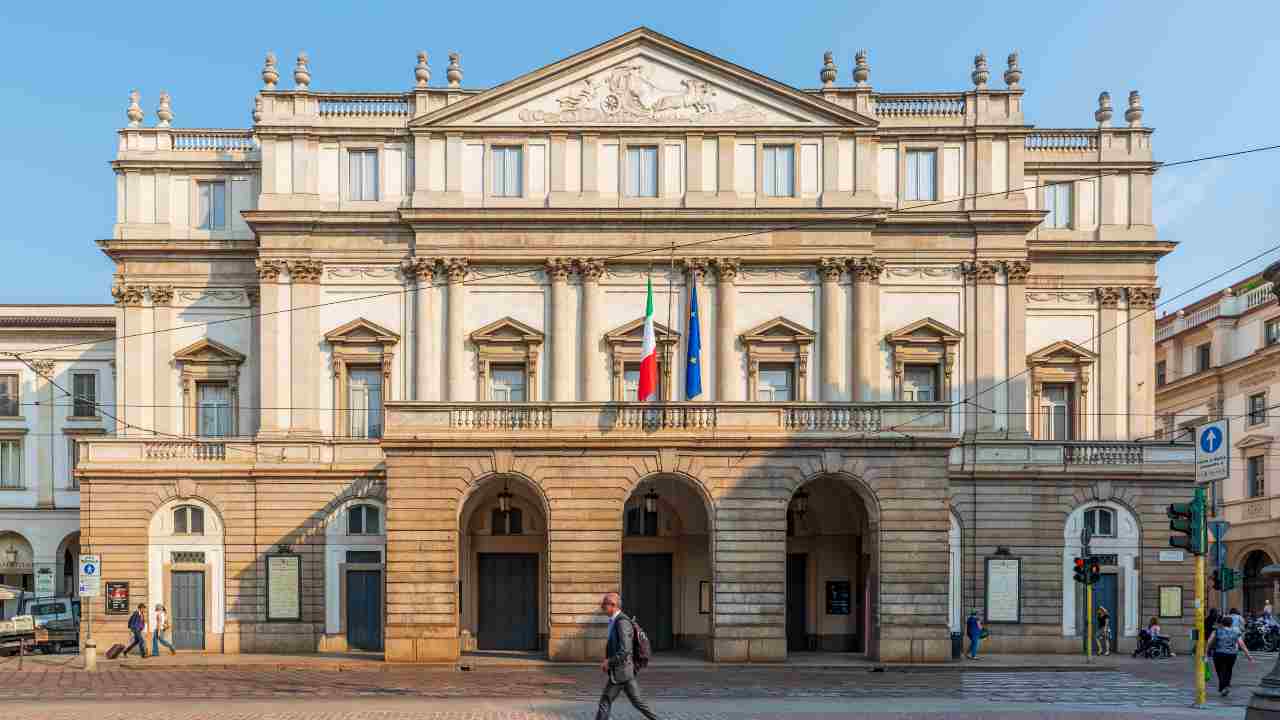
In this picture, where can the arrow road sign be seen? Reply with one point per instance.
(1213, 444)
(90, 576)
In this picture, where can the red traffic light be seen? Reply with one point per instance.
(1079, 563)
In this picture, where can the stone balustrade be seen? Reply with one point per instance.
(1062, 141)
(1003, 456)
(215, 140)
(920, 105)
(361, 105)
(1228, 305)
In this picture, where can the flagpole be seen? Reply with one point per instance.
(671, 287)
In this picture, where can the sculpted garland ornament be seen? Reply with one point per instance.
(627, 94)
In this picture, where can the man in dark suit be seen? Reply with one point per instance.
(617, 663)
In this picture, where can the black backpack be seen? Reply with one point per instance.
(641, 652)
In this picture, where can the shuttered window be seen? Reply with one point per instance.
(642, 171)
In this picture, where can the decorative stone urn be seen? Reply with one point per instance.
(1265, 703)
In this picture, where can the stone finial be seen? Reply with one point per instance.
(1103, 113)
(1013, 76)
(269, 73)
(422, 72)
(134, 113)
(861, 69)
(828, 74)
(1134, 114)
(980, 72)
(301, 73)
(257, 109)
(454, 73)
(164, 113)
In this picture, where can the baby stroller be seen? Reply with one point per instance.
(1152, 646)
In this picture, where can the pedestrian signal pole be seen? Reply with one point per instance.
(1187, 521)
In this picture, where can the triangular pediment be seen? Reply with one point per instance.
(361, 331)
(1251, 441)
(925, 330)
(633, 331)
(643, 78)
(779, 329)
(205, 350)
(1063, 352)
(508, 329)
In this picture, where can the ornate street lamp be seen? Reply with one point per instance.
(651, 501)
(801, 503)
(1265, 702)
(504, 500)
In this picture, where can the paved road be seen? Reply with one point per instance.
(1136, 689)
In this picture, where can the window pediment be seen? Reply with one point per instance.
(625, 343)
(208, 352)
(361, 332)
(779, 331)
(633, 332)
(925, 331)
(778, 341)
(924, 342)
(1063, 352)
(1255, 441)
(508, 341)
(507, 331)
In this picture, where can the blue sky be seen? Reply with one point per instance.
(1206, 72)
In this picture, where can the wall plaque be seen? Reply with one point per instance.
(1171, 601)
(1172, 556)
(1004, 590)
(839, 601)
(117, 598)
(284, 588)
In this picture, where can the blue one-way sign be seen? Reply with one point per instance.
(1213, 457)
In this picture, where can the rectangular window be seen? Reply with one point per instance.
(212, 205)
(779, 170)
(10, 463)
(9, 396)
(1056, 409)
(922, 175)
(73, 482)
(508, 169)
(919, 383)
(363, 182)
(775, 382)
(642, 171)
(507, 383)
(213, 409)
(1203, 357)
(364, 402)
(1257, 408)
(85, 387)
(1057, 200)
(1257, 476)
(631, 382)
(1161, 374)
(1273, 332)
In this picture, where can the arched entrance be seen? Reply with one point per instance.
(186, 572)
(1115, 539)
(355, 559)
(503, 600)
(68, 564)
(666, 563)
(830, 569)
(1256, 588)
(16, 568)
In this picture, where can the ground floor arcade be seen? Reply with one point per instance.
(39, 551)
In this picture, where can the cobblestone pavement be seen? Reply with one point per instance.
(1144, 688)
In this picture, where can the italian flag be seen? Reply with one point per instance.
(648, 353)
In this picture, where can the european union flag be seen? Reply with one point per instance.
(693, 358)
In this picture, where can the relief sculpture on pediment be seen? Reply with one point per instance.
(628, 93)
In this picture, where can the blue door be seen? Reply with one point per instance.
(364, 609)
(188, 610)
(1106, 594)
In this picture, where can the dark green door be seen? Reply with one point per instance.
(188, 610)
(508, 597)
(797, 589)
(647, 596)
(364, 609)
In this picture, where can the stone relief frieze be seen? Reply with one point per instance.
(361, 272)
(636, 273)
(1060, 298)
(922, 272)
(212, 296)
(777, 273)
(629, 93)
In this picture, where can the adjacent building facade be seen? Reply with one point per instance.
(1218, 358)
(378, 356)
(40, 424)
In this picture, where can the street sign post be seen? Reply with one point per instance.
(1213, 456)
(90, 586)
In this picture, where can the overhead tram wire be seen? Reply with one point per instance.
(657, 249)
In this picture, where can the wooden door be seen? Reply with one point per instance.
(188, 609)
(364, 610)
(508, 597)
(647, 596)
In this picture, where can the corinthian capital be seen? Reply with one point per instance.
(269, 269)
(420, 268)
(43, 368)
(457, 268)
(1143, 297)
(979, 271)
(866, 269)
(697, 267)
(1017, 270)
(590, 269)
(305, 271)
(727, 268)
(558, 269)
(1109, 297)
(161, 294)
(127, 295)
(830, 268)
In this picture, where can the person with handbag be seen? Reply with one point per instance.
(1103, 631)
(158, 629)
(1225, 641)
(975, 631)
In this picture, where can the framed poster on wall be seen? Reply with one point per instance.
(284, 588)
(839, 598)
(1170, 601)
(117, 598)
(1004, 590)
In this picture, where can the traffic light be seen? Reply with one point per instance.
(1229, 579)
(1095, 571)
(1081, 577)
(1187, 520)
(1217, 580)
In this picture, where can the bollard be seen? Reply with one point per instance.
(90, 655)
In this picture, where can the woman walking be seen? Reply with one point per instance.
(158, 629)
(1104, 631)
(1226, 643)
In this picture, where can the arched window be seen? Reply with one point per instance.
(363, 520)
(188, 520)
(510, 522)
(1101, 521)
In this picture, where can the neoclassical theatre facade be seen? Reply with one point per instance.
(376, 366)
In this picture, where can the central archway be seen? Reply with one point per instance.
(1255, 588)
(666, 563)
(503, 602)
(831, 569)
